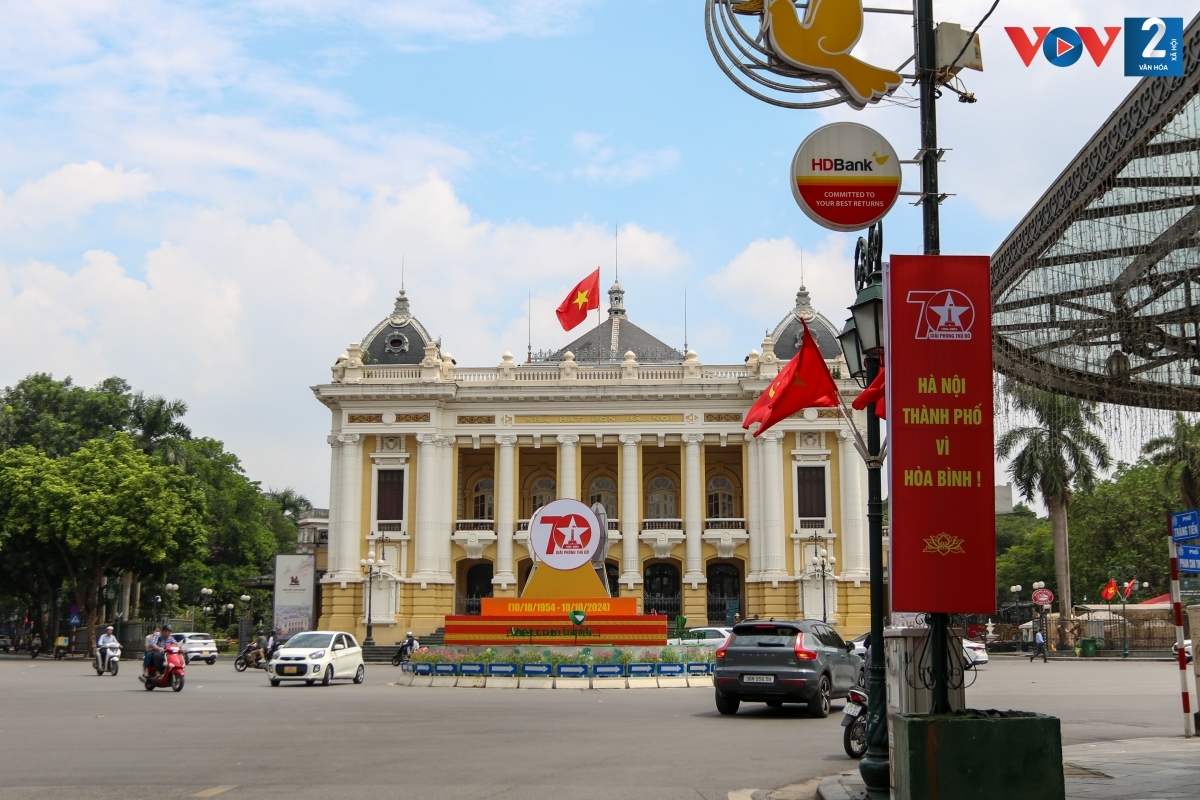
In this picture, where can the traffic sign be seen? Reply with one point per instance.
(1043, 597)
(74, 610)
(1185, 525)
(1189, 558)
(75, 621)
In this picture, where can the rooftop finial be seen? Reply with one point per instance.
(402, 273)
(616, 300)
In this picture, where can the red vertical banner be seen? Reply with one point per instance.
(941, 494)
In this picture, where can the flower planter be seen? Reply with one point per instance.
(982, 755)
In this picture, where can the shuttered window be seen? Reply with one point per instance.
(390, 495)
(810, 491)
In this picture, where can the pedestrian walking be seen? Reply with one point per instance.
(1039, 646)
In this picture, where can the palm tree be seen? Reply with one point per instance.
(155, 427)
(1057, 455)
(1179, 452)
(290, 502)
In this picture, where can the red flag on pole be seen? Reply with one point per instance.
(580, 300)
(804, 383)
(1110, 590)
(875, 393)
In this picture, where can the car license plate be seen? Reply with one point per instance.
(288, 670)
(758, 679)
(853, 709)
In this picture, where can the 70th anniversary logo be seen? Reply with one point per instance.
(1153, 45)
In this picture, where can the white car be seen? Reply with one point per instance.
(701, 637)
(314, 656)
(976, 652)
(1187, 649)
(197, 647)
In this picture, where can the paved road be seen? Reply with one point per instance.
(69, 733)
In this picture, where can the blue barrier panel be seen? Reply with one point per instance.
(608, 670)
(471, 669)
(423, 668)
(698, 669)
(572, 670)
(406, 666)
(445, 669)
(675, 670)
(542, 670)
(640, 670)
(507, 670)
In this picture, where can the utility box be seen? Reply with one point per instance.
(905, 692)
(951, 39)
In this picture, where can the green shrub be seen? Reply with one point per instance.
(669, 656)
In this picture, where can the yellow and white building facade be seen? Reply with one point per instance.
(437, 468)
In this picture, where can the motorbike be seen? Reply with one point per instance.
(107, 658)
(854, 739)
(34, 649)
(62, 648)
(172, 674)
(405, 652)
(244, 660)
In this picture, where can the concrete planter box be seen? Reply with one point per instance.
(979, 755)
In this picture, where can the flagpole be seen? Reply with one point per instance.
(597, 318)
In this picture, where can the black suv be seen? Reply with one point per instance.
(777, 662)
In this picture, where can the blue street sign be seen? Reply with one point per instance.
(1189, 559)
(75, 621)
(1185, 525)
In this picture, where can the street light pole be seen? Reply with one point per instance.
(370, 570)
(823, 561)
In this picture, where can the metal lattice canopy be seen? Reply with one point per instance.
(1096, 293)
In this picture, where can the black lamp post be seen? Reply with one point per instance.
(822, 560)
(370, 569)
(862, 342)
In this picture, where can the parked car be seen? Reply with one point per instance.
(1187, 650)
(701, 637)
(317, 655)
(860, 644)
(975, 652)
(5, 643)
(197, 647)
(777, 662)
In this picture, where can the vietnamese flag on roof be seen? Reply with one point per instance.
(804, 383)
(584, 297)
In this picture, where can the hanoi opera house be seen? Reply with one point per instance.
(437, 469)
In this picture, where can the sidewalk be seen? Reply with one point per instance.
(1145, 769)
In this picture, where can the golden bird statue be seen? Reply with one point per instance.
(822, 44)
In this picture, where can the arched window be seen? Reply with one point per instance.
(720, 498)
(604, 492)
(479, 580)
(543, 492)
(483, 500)
(660, 500)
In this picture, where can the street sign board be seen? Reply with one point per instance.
(74, 610)
(845, 176)
(1043, 597)
(1189, 558)
(1185, 525)
(75, 621)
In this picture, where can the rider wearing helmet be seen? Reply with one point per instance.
(102, 643)
(158, 650)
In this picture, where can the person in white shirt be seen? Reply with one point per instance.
(102, 644)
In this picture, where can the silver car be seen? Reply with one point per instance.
(701, 637)
(197, 647)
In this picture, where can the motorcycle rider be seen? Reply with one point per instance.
(158, 651)
(102, 644)
(35, 645)
(260, 649)
(407, 646)
(273, 642)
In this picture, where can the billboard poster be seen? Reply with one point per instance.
(295, 589)
(942, 503)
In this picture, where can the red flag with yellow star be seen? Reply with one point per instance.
(804, 383)
(580, 300)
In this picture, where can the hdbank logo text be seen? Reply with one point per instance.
(1153, 45)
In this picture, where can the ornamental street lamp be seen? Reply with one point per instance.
(171, 589)
(822, 560)
(1045, 615)
(205, 596)
(370, 569)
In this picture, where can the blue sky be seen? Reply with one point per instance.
(211, 200)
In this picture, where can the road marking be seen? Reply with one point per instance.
(214, 791)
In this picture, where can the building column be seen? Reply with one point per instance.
(448, 507)
(631, 488)
(505, 515)
(693, 509)
(334, 556)
(568, 488)
(427, 474)
(771, 472)
(753, 497)
(852, 533)
(350, 512)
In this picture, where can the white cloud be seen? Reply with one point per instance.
(610, 166)
(71, 191)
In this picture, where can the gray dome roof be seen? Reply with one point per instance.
(789, 333)
(398, 339)
(616, 336)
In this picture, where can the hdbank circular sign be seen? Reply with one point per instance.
(564, 534)
(845, 176)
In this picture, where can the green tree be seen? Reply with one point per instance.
(154, 424)
(1055, 457)
(58, 417)
(1179, 453)
(1011, 529)
(103, 508)
(1031, 559)
(1122, 522)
